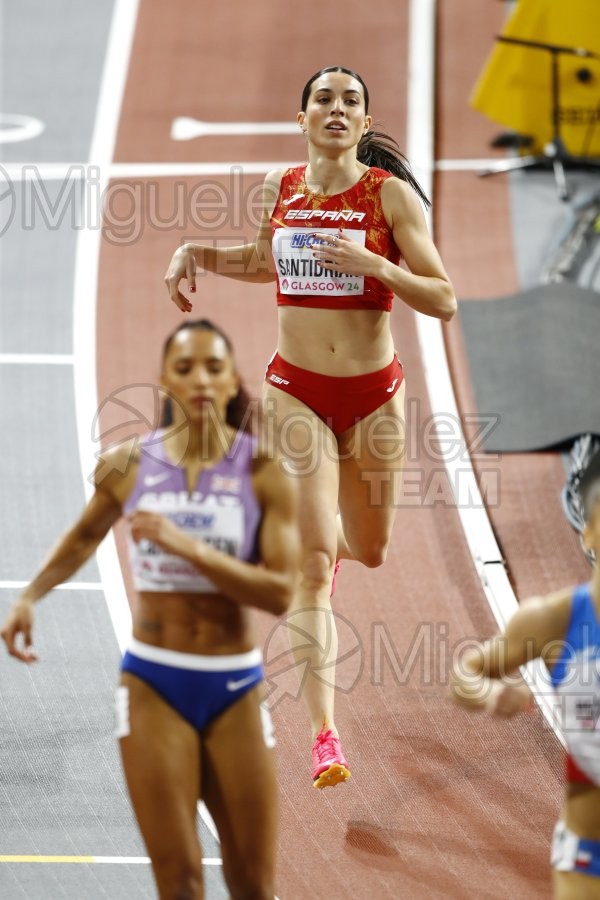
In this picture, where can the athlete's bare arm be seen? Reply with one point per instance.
(481, 677)
(426, 287)
(69, 554)
(270, 586)
(251, 262)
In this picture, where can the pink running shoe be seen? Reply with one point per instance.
(329, 765)
(335, 571)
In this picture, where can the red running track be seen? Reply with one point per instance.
(441, 804)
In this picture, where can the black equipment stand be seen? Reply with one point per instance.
(555, 154)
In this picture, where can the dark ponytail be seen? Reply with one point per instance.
(375, 149)
(239, 409)
(380, 151)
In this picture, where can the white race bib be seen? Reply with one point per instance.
(219, 521)
(300, 273)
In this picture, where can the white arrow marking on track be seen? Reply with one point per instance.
(185, 128)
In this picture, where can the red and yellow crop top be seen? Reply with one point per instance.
(303, 280)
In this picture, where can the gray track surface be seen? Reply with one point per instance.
(534, 365)
(61, 786)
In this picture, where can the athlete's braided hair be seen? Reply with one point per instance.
(375, 148)
(239, 408)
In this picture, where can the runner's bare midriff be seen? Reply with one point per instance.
(335, 342)
(192, 623)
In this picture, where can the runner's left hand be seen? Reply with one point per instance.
(161, 531)
(344, 255)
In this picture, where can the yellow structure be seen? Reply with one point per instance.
(515, 87)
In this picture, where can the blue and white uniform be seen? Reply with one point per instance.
(222, 510)
(576, 680)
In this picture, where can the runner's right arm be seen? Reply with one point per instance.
(71, 551)
(251, 262)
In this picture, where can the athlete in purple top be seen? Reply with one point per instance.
(205, 505)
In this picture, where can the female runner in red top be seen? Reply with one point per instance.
(332, 234)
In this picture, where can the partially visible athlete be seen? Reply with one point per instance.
(206, 506)
(564, 630)
(332, 235)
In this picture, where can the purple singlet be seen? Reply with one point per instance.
(221, 510)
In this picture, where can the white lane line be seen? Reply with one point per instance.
(184, 128)
(18, 172)
(479, 535)
(420, 142)
(59, 171)
(67, 171)
(84, 313)
(116, 65)
(421, 94)
(37, 359)
(102, 860)
(466, 165)
(65, 586)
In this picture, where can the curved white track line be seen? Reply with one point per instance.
(15, 128)
(480, 538)
(108, 111)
